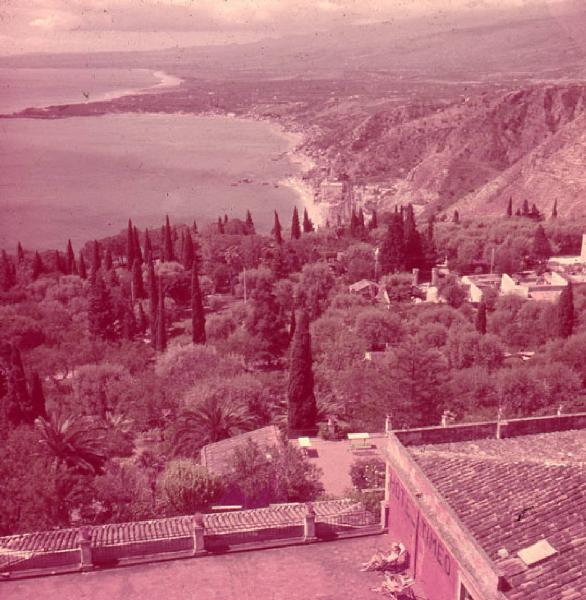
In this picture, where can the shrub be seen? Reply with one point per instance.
(368, 473)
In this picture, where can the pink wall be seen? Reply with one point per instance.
(434, 568)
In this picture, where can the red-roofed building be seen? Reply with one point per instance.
(492, 511)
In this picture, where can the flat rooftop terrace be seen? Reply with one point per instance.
(319, 571)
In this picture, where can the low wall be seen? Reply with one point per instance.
(509, 428)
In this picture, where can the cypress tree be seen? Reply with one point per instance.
(148, 248)
(413, 248)
(130, 246)
(373, 221)
(354, 224)
(392, 250)
(143, 322)
(19, 252)
(249, 223)
(292, 326)
(307, 224)
(481, 318)
(361, 223)
(525, 210)
(82, 267)
(295, 226)
(220, 225)
(510, 207)
(129, 327)
(101, 316)
(277, 230)
(566, 312)
(108, 262)
(456, 217)
(225, 218)
(37, 266)
(59, 262)
(195, 231)
(37, 397)
(198, 323)
(168, 253)
(137, 249)
(137, 281)
(153, 301)
(188, 251)
(541, 247)
(7, 278)
(96, 257)
(301, 404)
(70, 259)
(18, 408)
(161, 335)
(554, 210)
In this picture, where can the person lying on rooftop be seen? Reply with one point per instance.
(382, 560)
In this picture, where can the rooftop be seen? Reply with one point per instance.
(512, 493)
(311, 572)
(217, 456)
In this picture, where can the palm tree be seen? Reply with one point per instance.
(70, 442)
(212, 419)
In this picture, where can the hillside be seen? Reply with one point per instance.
(473, 153)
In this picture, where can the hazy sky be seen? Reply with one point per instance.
(90, 25)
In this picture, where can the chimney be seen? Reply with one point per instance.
(434, 277)
(415, 279)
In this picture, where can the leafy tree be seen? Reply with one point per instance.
(198, 323)
(264, 320)
(452, 291)
(419, 375)
(368, 473)
(274, 474)
(314, 288)
(302, 408)
(187, 487)
(378, 328)
(566, 312)
(541, 249)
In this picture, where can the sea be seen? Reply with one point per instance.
(82, 178)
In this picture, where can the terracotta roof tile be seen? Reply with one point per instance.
(216, 456)
(512, 493)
